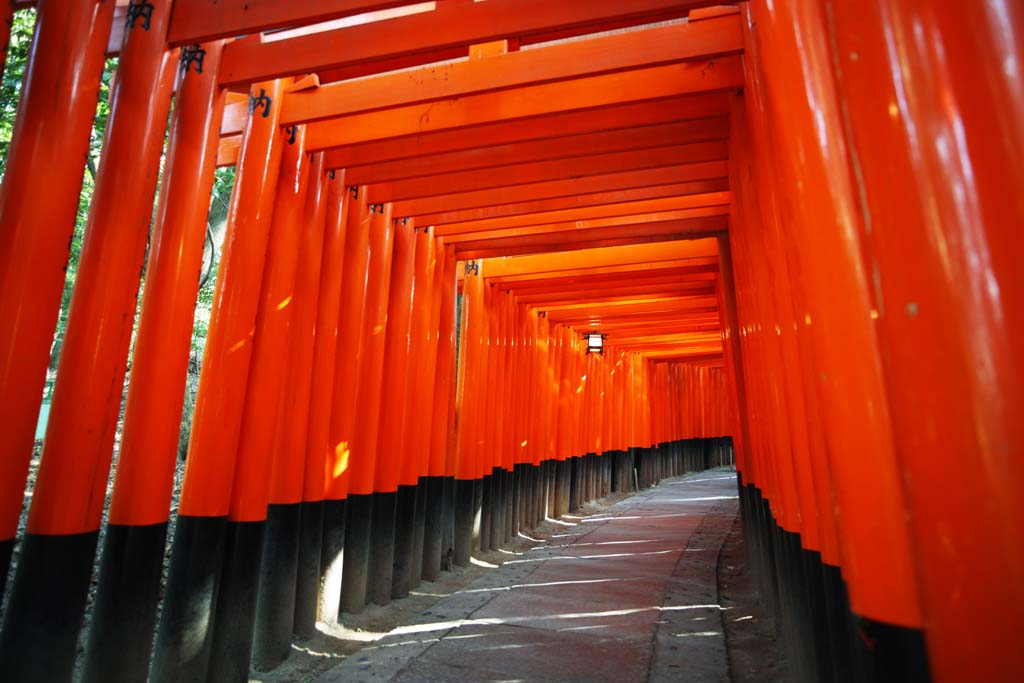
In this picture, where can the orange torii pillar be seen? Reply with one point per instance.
(38, 205)
(363, 460)
(496, 511)
(579, 471)
(276, 603)
(59, 549)
(828, 233)
(437, 541)
(410, 526)
(521, 436)
(563, 441)
(124, 612)
(394, 384)
(339, 463)
(939, 137)
(185, 636)
(468, 404)
(242, 576)
(485, 422)
(308, 594)
(518, 437)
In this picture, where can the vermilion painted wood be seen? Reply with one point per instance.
(939, 138)
(645, 221)
(293, 462)
(339, 203)
(613, 283)
(584, 239)
(348, 355)
(582, 201)
(628, 208)
(363, 461)
(152, 424)
(530, 101)
(565, 188)
(265, 388)
(566, 61)
(38, 202)
(588, 144)
(691, 108)
(449, 25)
(555, 125)
(72, 481)
(198, 20)
(213, 445)
(442, 434)
(398, 348)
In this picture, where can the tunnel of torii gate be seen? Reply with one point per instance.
(793, 228)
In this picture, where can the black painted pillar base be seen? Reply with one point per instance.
(356, 558)
(448, 526)
(275, 601)
(606, 478)
(891, 653)
(550, 489)
(509, 518)
(478, 512)
(307, 572)
(185, 633)
(518, 498)
(6, 550)
(332, 560)
(497, 508)
(616, 458)
(382, 547)
(629, 470)
(405, 521)
(539, 501)
(595, 477)
(482, 537)
(433, 537)
(575, 482)
(561, 487)
(823, 639)
(464, 518)
(44, 614)
(124, 612)
(419, 531)
(235, 616)
(533, 496)
(844, 665)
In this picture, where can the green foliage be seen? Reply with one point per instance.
(10, 86)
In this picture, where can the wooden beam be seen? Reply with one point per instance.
(616, 117)
(645, 222)
(532, 101)
(613, 294)
(601, 55)
(594, 260)
(581, 239)
(450, 25)
(710, 170)
(546, 171)
(627, 240)
(588, 144)
(594, 273)
(580, 202)
(197, 21)
(649, 206)
(609, 285)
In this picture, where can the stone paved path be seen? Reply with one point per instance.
(626, 595)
